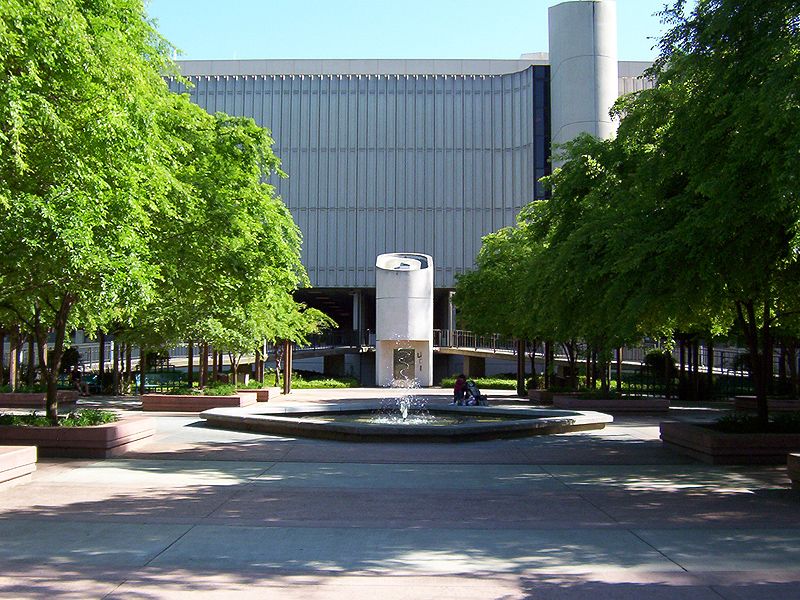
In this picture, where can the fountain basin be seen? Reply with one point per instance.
(481, 423)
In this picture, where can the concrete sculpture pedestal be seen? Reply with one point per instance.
(404, 319)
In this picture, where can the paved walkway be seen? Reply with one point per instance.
(218, 514)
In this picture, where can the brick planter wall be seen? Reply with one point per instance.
(99, 441)
(193, 402)
(262, 395)
(720, 448)
(573, 402)
(793, 466)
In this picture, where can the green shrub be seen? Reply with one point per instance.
(741, 422)
(82, 418)
(220, 389)
(182, 391)
(26, 389)
(255, 384)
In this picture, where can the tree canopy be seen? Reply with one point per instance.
(124, 204)
(689, 217)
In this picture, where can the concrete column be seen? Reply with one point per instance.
(474, 366)
(583, 69)
(333, 364)
(358, 321)
(451, 312)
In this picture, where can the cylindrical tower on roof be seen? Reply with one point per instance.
(583, 68)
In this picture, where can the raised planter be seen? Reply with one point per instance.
(718, 448)
(773, 404)
(541, 396)
(99, 441)
(262, 395)
(194, 402)
(38, 400)
(793, 466)
(577, 402)
(17, 463)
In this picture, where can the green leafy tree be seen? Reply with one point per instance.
(80, 83)
(719, 138)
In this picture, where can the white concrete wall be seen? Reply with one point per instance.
(404, 314)
(583, 68)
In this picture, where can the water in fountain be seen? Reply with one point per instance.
(406, 408)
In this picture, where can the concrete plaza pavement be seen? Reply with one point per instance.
(220, 514)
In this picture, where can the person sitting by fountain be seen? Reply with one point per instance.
(473, 396)
(458, 390)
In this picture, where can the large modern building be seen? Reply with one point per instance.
(420, 156)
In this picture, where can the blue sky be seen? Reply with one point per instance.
(209, 29)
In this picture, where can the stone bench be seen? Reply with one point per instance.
(17, 463)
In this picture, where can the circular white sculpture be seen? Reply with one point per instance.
(404, 319)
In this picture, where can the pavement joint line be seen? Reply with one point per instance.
(170, 545)
(566, 486)
(656, 550)
(112, 593)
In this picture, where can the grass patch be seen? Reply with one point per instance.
(254, 384)
(82, 418)
(323, 383)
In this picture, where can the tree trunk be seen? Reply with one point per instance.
(710, 360)
(129, 367)
(791, 366)
(13, 357)
(619, 370)
(2, 357)
(521, 391)
(234, 360)
(203, 364)
(571, 350)
(278, 353)
(287, 366)
(682, 370)
(31, 368)
(51, 370)
(190, 364)
(668, 375)
(745, 314)
(142, 368)
(101, 360)
(588, 366)
(548, 365)
(214, 366)
(696, 370)
(115, 360)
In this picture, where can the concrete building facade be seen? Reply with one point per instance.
(418, 156)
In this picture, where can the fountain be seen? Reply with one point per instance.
(404, 361)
